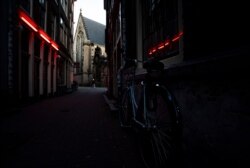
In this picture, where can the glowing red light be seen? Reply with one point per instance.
(175, 38)
(54, 45)
(29, 22)
(26, 19)
(161, 46)
(44, 36)
(151, 51)
(167, 42)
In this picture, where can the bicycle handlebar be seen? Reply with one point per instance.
(130, 63)
(148, 65)
(153, 65)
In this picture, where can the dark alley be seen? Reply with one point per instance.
(124, 84)
(76, 130)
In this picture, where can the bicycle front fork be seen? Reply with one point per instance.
(145, 123)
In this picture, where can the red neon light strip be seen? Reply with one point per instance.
(54, 45)
(151, 51)
(161, 46)
(44, 36)
(30, 24)
(176, 38)
(166, 43)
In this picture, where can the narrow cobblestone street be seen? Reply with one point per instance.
(74, 131)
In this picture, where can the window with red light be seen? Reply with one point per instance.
(160, 28)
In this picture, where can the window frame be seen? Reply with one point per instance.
(160, 29)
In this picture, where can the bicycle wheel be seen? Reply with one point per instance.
(159, 143)
(125, 112)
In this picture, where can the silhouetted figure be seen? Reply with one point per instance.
(93, 82)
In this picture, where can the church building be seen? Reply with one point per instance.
(89, 52)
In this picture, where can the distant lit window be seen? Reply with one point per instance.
(161, 33)
(42, 2)
(61, 21)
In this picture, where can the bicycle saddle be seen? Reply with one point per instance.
(153, 66)
(130, 63)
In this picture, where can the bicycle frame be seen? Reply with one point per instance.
(134, 104)
(152, 108)
(148, 85)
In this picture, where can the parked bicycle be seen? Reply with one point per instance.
(151, 109)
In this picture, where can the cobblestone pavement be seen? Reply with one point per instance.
(73, 131)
